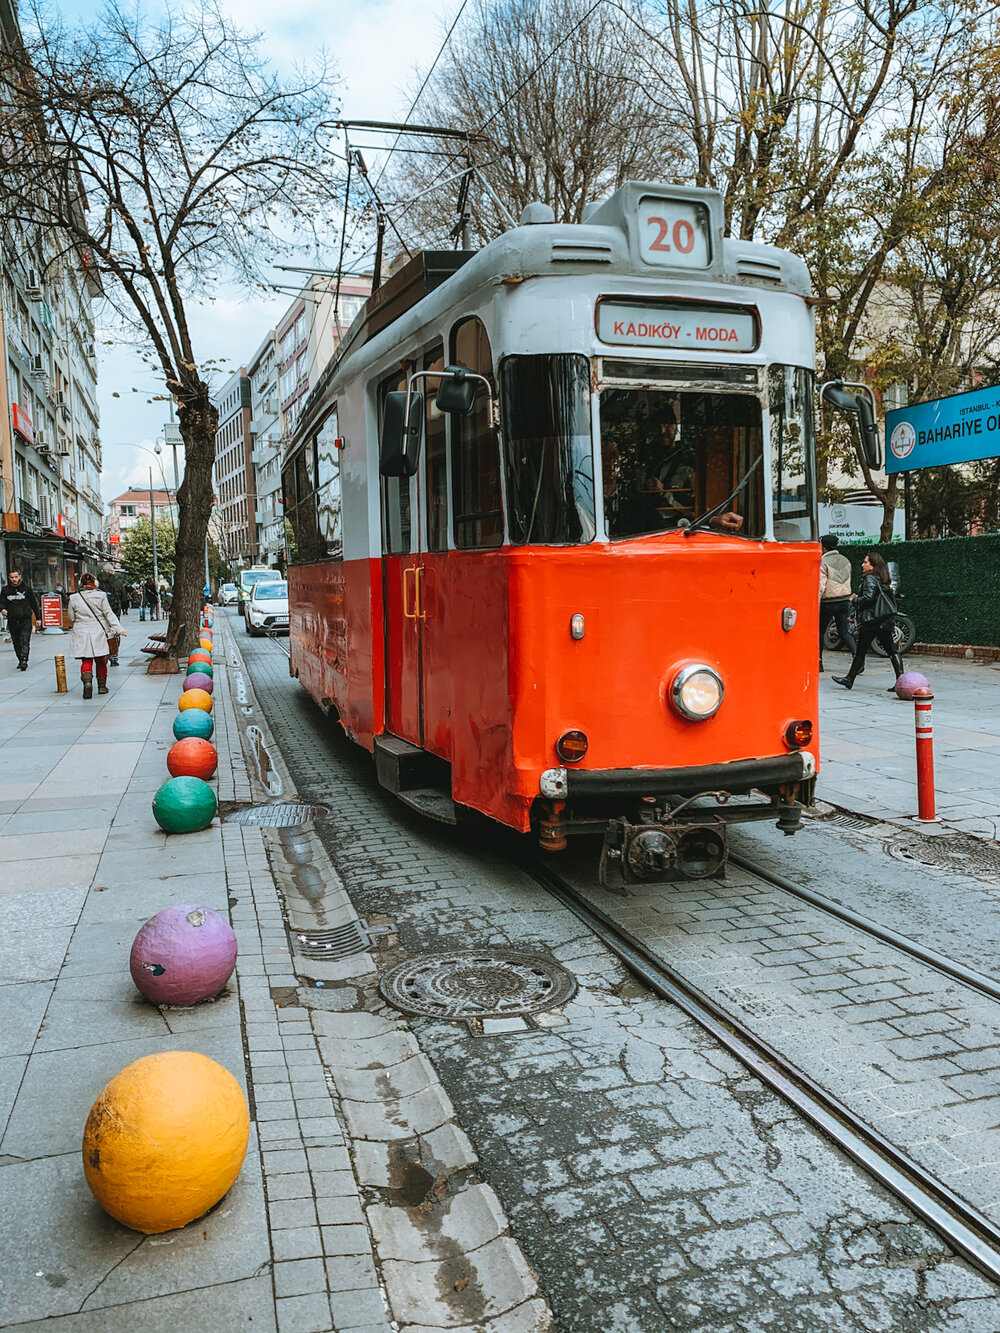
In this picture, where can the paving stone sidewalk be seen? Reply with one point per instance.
(867, 743)
(290, 1248)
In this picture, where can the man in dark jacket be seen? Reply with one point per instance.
(19, 602)
(112, 587)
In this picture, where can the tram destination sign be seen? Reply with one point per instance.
(690, 327)
(958, 429)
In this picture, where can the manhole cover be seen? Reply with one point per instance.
(477, 983)
(275, 816)
(967, 857)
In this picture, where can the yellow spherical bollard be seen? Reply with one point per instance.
(206, 644)
(195, 699)
(165, 1140)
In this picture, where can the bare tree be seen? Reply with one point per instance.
(555, 88)
(170, 157)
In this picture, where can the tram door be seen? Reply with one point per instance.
(414, 528)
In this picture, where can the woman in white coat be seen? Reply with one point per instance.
(94, 623)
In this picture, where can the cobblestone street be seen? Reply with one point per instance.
(649, 1179)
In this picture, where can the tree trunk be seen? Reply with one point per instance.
(888, 499)
(198, 420)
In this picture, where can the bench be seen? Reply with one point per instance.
(163, 653)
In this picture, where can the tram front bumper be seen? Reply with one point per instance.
(736, 778)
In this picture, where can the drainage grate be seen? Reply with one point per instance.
(340, 941)
(275, 816)
(839, 820)
(476, 983)
(966, 856)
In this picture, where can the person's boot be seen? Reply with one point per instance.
(88, 684)
(897, 666)
(846, 681)
(102, 685)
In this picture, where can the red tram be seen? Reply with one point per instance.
(552, 532)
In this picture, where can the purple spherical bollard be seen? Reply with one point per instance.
(197, 680)
(908, 682)
(183, 955)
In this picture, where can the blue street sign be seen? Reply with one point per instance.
(945, 430)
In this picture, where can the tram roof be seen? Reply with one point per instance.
(605, 242)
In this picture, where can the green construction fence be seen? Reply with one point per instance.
(951, 586)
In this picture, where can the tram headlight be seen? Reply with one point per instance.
(696, 692)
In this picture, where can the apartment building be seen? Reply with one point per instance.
(235, 484)
(51, 510)
(286, 364)
(125, 511)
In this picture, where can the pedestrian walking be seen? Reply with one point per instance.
(834, 594)
(20, 602)
(112, 587)
(875, 605)
(150, 599)
(95, 627)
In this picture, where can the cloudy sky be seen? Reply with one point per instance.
(378, 45)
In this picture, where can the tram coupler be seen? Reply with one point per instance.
(662, 852)
(789, 810)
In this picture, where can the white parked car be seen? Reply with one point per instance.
(228, 594)
(267, 609)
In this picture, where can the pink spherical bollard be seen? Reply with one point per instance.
(197, 680)
(183, 955)
(908, 682)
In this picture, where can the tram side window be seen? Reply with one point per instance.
(475, 449)
(547, 448)
(437, 459)
(793, 488)
(671, 458)
(395, 490)
(328, 494)
(301, 527)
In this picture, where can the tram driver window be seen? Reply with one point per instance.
(475, 449)
(301, 527)
(668, 459)
(793, 488)
(547, 448)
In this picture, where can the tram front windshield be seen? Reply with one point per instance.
(668, 459)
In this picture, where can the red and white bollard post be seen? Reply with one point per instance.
(925, 755)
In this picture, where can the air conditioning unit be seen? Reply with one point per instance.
(62, 403)
(33, 287)
(44, 511)
(37, 364)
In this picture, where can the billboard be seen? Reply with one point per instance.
(944, 430)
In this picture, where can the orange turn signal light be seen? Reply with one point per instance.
(571, 746)
(798, 734)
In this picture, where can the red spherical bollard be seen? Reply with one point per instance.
(192, 758)
(199, 655)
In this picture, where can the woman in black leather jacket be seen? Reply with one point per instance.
(872, 626)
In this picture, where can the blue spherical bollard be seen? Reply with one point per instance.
(193, 722)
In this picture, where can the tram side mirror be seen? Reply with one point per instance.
(399, 448)
(457, 391)
(859, 406)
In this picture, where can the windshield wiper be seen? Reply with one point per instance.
(705, 518)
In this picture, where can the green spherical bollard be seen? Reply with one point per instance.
(184, 805)
(193, 722)
(205, 667)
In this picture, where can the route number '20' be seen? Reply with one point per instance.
(681, 236)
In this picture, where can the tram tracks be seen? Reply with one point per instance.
(963, 1226)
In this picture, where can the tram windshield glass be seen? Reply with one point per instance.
(547, 448)
(668, 458)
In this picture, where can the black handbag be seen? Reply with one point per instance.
(885, 602)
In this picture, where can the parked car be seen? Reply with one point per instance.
(249, 579)
(228, 594)
(267, 609)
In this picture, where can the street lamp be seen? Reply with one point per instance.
(156, 451)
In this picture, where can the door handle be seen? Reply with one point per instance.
(418, 585)
(409, 588)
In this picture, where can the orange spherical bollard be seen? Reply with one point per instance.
(200, 655)
(195, 699)
(165, 1140)
(192, 758)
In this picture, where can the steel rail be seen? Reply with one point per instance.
(954, 971)
(961, 1225)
